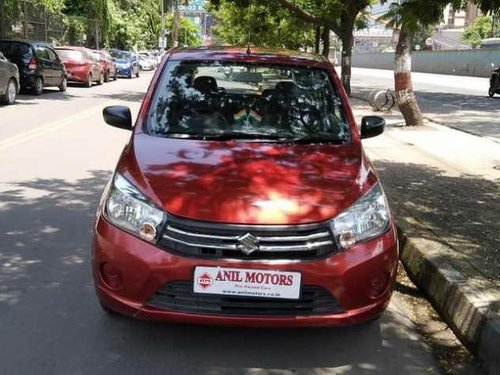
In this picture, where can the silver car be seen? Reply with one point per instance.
(9, 81)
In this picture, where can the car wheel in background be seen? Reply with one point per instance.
(38, 86)
(10, 93)
(88, 82)
(63, 85)
(491, 92)
(100, 81)
(137, 74)
(106, 76)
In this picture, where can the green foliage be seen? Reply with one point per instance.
(263, 23)
(188, 32)
(416, 14)
(480, 29)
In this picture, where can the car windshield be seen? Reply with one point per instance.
(120, 55)
(223, 101)
(69, 54)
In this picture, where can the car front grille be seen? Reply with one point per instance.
(179, 296)
(212, 240)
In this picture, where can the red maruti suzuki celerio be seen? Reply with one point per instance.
(244, 197)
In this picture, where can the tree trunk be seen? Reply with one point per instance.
(317, 38)
(325, 36)
(403, 87)
(347, 39)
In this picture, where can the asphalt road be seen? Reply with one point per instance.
(458, 102)
(56, 154)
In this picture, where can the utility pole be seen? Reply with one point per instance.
(176, 26)
(162, 43)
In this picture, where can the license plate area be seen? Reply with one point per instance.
(242, 282)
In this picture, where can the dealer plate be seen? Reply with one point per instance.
(247, 282)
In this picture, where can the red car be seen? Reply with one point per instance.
(245, 198)
(81, 66)
(107, 64)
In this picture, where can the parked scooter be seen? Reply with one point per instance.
(494, 81)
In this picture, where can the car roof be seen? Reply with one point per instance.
(252, 54)
(30, 42)
(72, 48)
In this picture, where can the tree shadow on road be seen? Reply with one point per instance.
(53, 325)
(462, 212)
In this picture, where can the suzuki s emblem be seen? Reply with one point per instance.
(248, 243)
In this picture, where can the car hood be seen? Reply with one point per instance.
(247, 183)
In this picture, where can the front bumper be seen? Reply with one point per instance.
(347, 276)
(124, 71)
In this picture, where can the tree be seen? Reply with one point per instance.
(264, 23)
(477, 31)
(491, 7)
(410, 16)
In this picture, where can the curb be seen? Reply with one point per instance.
(463, 301)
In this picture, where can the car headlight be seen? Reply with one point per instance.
(127, 208)
(367, 218)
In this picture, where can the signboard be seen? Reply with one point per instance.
(194, 6)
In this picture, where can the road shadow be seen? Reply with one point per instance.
(126, 95)
(462, 212)
(53, 324)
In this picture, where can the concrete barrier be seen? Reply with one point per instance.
(475, 63)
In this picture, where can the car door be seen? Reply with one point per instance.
(44, 65)
(56, 67)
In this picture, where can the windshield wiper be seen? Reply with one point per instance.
(308, 140)
(256, 136)
(241, 135)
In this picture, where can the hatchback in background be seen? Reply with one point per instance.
(81, 66)
(146, 63)
(39, 65)
(9, 81)
(107, 64)
(126, 63)
(245, 200)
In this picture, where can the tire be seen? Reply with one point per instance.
(88, 82)
(63, 85)
(115, 76)
(100, 81)
(491, 92)
(137, 74)
(106, 76)
(38, 86)
(10, 93)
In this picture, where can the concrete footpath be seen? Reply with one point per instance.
(444, 188)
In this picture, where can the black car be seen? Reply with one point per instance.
(9, 81)
(39, 66)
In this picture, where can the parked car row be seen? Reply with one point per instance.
(31, 66)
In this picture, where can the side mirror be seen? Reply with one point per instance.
(118, 116)
(493, 65)
(371, 126)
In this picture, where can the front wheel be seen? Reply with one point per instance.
(137, 74)
(63, 85)
(11, 93)
(491, 92)
(38, 86)
(106, 76)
